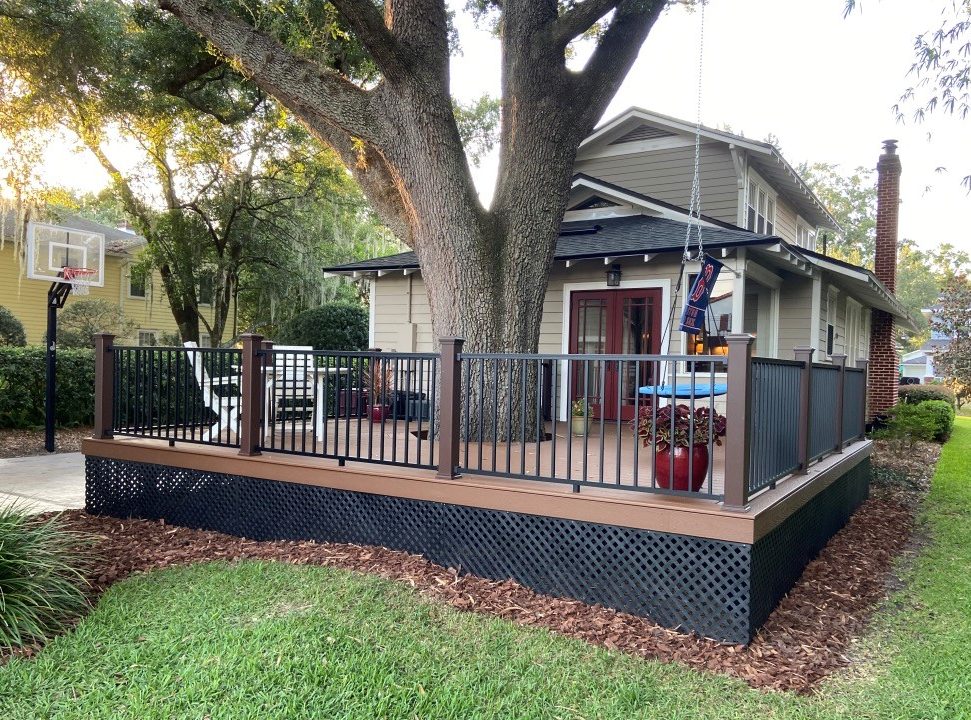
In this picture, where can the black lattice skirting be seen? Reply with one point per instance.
(719, 589)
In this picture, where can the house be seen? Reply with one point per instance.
(918, 365)
(626, 213)
(140, 298)
(480, 461)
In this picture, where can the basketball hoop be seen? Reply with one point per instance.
(78, 278)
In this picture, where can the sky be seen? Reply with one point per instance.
(822, 84)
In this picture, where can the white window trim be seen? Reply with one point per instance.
(770, 192)
(801, 222)
(832, 293)
(853, 309)
(128, 279)
(138, 335)
(663, 284)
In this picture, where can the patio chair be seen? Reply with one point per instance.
(290, 384)
(224, 405)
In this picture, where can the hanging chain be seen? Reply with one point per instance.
(694, 208)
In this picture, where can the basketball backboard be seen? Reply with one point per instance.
(52, 248)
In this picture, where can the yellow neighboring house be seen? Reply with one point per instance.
(142, 301)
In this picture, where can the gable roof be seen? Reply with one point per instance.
(669, 210)
(765, 157)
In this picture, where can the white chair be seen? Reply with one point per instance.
(225, 407)
(290, 383)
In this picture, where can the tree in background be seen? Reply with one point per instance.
(852, 201)
(952, 320)
(222, 169)
(11, 329)
(82, 319)
(941, 69)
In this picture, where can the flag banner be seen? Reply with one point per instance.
(693, 317)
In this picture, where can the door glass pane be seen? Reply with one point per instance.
(591, 339)
(637, 328)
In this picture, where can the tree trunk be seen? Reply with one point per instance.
(185, 310)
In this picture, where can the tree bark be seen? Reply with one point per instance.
(485, 271)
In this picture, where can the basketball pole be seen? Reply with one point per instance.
(56, 297)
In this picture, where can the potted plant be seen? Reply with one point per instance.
(579, 419)
(380, 384)
(681, 442)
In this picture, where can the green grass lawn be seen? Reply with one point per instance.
(259, 640)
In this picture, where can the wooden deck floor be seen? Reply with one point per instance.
(606, 455)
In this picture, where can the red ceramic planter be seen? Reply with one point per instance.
(698, 467)
(378, 413)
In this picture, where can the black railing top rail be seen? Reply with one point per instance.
(383, 354)
(593, 356)
(171, 348)
(825, 366)
(776, 361)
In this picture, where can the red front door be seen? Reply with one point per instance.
(615, 322)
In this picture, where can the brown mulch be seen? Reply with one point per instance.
(806, 638)
(20, 443)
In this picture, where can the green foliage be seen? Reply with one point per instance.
(23, 384)
(81, 320)
(909, 423)
(41, 587)
(852, 201)
(915, 394)
(338, 326)
(952, 319)
(942, 413)
(11, 329)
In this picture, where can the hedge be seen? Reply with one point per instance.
(914, 394)
(23, 385)
(942, 412)
(337, 326)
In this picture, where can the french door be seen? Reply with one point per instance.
(615, 322)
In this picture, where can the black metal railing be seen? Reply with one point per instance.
(583, 420)
(823, 410)
(774, 430)
(579, 420)
(363, 406)
(184, 394)
(854, 404)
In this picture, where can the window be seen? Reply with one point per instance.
(148, 337)
(805, 236)
(831, 322)
(136, 284)
(205, 340)
(760, 209)
(207, 285)
(852, 332)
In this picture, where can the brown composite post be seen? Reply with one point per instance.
(805, 356)
(251, 420)
(738, 408)
(451, 408)
(840, 362)
(864, 365)
(104, 386)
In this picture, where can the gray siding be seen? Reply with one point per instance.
(795, 314)
(785, 220)
(667, 175)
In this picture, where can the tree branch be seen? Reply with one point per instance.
(617, 50)
(578, 19)
(368, 24)
(304, 86)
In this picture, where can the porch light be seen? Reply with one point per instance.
(613, 276)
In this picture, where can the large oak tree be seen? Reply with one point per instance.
(485, 269)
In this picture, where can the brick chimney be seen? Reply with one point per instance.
(884, 361)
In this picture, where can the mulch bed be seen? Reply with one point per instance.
(20, 443)
(807, 638)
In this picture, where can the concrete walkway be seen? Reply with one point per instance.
(44, 482)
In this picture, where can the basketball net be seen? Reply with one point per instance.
(77, 278)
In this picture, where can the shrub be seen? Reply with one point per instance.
(81, 320)
(11, 329)
(914, 394)
(907, 424)
(23, 384)
(41, 586)
(337, 326)
(942, 413)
